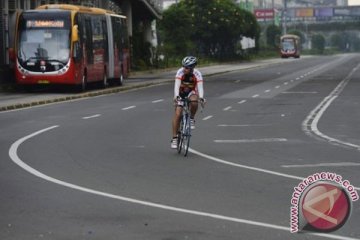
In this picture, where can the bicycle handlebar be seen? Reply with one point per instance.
(187, 100)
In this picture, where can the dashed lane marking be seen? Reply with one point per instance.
(157, 101)
(92, 116)
(128, 108)
(207, 118)
(260, 140)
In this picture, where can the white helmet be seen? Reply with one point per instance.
(189, 61)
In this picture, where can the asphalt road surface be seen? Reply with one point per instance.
(102, 168)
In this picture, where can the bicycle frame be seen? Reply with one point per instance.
(184, 133)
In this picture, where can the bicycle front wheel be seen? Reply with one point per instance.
(186, 144)
(186, 137)
(180, 136)
(180, 142)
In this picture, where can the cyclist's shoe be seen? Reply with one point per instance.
(174, 143)
(192, 123)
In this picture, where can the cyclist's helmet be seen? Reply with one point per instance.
(189, 62)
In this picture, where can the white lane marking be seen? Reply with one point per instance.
(299, 92)
(255, 96)
(242, 101)
(127, 108)
(15, 158)
(207, 118)
(260, 140)
(157, 101)
(339, 164)
(242, 125)
(286, 83)
(227, 108)
(92, 116)
(268, 90)
(309, 125)
(262, 170)
(277, 86)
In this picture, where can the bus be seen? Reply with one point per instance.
(290, 46)
(70, 45)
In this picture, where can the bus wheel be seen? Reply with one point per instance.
(83, 85)
(120, 80)
(105, 82)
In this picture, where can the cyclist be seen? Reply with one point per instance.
(188, 83)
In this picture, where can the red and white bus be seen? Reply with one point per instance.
(290, 46)
(71, 45)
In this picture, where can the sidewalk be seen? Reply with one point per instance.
(16, 100)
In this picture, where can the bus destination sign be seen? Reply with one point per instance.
(45, 23)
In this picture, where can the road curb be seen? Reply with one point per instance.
(80, 95)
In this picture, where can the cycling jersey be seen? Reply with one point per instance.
(187, 84)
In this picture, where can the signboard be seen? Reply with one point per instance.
(324, 12)
(264, 14)
(304, 12)
(45, 23)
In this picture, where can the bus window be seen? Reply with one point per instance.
(44, 41)
(105, 39)
(89, 41)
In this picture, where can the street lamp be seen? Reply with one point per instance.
(284, 17)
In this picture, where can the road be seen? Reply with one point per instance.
(102, 167)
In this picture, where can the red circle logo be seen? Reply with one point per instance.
(325, 207)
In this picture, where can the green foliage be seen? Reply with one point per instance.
(337, 41)
(210, 28)
(175, 29)
(140, 50)
(273, 36)
(318, 43)
(356, 44)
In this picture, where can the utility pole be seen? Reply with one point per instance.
(284, 16)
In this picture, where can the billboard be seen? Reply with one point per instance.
(347, 11)
(262, 14)
(304, 12)
(324, 12)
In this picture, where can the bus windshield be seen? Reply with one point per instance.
(44, 42)
(288, 45)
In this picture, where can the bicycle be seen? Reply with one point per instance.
(184, 133)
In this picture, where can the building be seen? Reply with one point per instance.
(278, 4)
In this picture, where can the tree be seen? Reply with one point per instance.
(207, 27)
(318, 43)
(336, 41)
(272, 36)
(175, 29)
